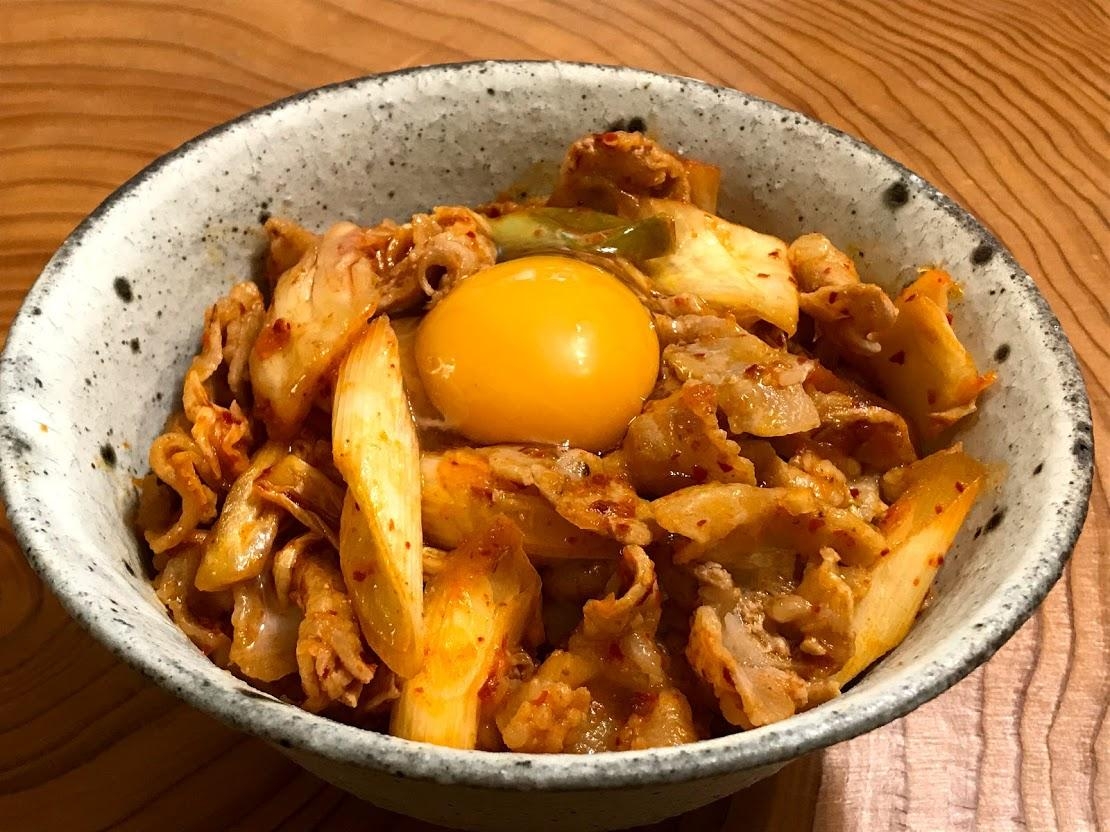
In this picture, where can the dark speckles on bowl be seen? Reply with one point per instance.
(1083, 449)
(994, 521)
(896, 195)
(982, 254)
(636, 124)
(777, 167)
(19, 445)
(108, 454)
(122, 287)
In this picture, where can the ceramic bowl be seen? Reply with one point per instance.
(106, 333)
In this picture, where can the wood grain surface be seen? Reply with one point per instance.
(1002, 103)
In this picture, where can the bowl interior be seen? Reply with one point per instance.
(94, 362)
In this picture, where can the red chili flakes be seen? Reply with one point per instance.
(854, 492)
(833, 296)
(701, 522)
(273, 338)
(408, 544)
(540, 698)
(917, 581)
(606, 508)
(776, 254)
(938, 508)
(931, 395)
(898, 357)
(815, 523)
(940, 560)
(960, 487)
(948, 315)
(884, 552)
(910, 297)
(762, 274)
(489, 688)
(643, 702)
(816, 609)
(751, 371)
(359, 575)
(698, 474)
(728, 676)
(392, 525)
(724, 466)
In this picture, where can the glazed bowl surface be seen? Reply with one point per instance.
(95, 356)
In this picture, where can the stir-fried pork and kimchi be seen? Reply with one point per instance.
(591, 472)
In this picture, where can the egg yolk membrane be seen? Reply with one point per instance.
(544, 350)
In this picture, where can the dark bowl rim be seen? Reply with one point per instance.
(768, 746)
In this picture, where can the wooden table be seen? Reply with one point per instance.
(996, 101)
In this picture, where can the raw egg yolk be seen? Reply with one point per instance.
(541, 350)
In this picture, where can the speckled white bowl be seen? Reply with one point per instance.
(106, 333)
